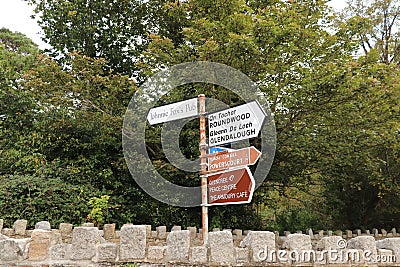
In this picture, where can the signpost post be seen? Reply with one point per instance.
(203, 166)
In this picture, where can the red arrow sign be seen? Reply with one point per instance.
(231, 187)
(230, 159)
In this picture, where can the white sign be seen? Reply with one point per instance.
(174, 111)
(234, 124)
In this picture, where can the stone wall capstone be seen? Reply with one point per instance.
(178, 245)
(84, 242)
(221, 246)
(87, 245)
(258, 241)
(132, 242)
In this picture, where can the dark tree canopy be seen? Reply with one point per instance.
(337, 116)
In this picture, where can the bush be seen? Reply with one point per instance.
(38, 198)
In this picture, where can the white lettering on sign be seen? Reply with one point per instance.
(226, 164)
(234, 124)
(174, 111)
(233, 158)
(243, 194)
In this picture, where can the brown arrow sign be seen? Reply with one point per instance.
(231, 187)
(231, 159)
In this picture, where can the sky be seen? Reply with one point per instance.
(15, 15)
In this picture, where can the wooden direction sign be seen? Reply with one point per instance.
(233, 158)
(231, 187)
(174, 111)
(234, 124)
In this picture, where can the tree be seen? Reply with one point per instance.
(362, 180)
(375, 27)
(17, 55)
(328, 108)
(292, 57)
(114, 30)
(336, 117)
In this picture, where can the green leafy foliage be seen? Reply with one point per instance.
(99, 209)
(108, 29)
(38, 198)
(337, 117)
(374, 26)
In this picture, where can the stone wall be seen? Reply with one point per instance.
(140, 245)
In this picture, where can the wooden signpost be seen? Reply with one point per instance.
(225, 177)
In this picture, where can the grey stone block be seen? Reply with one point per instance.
(321, 233)
(60, 252)
(24, 244)
(221, 247)
(193, 231)
(390, 243)
(84, 242)
(19, 227)
(178, 245)
(106, 252)
(259, 242)
(298, 242)
(43, 225)
(1, 224)
(349, 233)
(8, 232)
(310, 233)
(161, 232)
(384, 232)
(132, 242)
(199, 254)
(242, 255)
(176, 228)
(9, 250)
(109, 231)
(393, 231)
(363, 243)
(331, 243)
(66, 231)
(375, 232)
(156, 253)
(89, 224)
